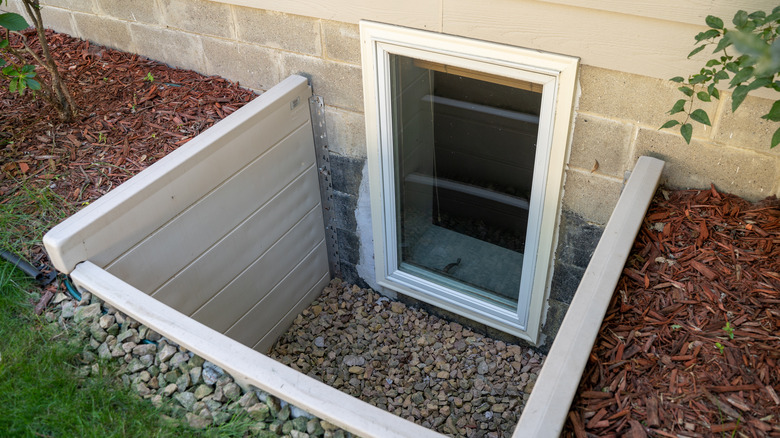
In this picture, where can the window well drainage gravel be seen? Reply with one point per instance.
(417, 366)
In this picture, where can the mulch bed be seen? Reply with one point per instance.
(132, 111)
(690, 345)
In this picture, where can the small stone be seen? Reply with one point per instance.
(170, 389)
(68, 309)
(60, 297)
(231, 391)
(186, 399)
(482, 368)
(178, 359)
(319, 342)
(166, 353)
(298, 434)
(248, 399)
(220, 418)
(284, 413)
(197, 421)
(356, 370)
(135, 365)
(313, 427)
(129, 335)
(104, 353)
(144, 349)
(141, 388)
(211, 373)
(196, 361)
(397, 307)
(300, 423)
(97, 332)
(86, 312)
(106, 321)
(259, 411)
(352, 361)
(202, 391)
(183, 382)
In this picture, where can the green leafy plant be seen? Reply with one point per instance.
(20, 79)
(729, 329)
(149, 77)
(19, 73)
(102, 137)
(720, 347)
(757, 65)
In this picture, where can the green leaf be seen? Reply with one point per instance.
(698, 79)
(3, 44)
(712, 62)
(740, 93)
(701, 116)
(757, 16)
(722, 44)
(774, 113)
(701, 36)
(740, 18)
(732, 67)
(669, 124)
(686, 130)
(775, 138)
(721, 75)
(12, 86)
(677, 79)
(714, 22)
(688, 91)
(678, 106)
(2, 62)
(715, 93)
(13, 22)
(703, 96)
(743, 75)
(33, 84)
(759, 83)
(696, 50)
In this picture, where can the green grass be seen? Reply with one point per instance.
(41, 393)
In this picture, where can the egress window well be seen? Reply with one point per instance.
(466, 148)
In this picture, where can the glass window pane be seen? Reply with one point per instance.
(464, 153)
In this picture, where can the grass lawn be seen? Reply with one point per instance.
(41, 392)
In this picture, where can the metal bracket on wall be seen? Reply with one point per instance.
(322, 150)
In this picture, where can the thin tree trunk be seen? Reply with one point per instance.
(60, 96)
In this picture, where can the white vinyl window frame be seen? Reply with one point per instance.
(557, 76)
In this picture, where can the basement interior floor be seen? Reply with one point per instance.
(425, 369)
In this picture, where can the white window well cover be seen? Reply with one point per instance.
(466, 150)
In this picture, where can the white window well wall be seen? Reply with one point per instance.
(466, 150)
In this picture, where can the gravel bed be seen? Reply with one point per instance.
(420, 367)
(181, 384)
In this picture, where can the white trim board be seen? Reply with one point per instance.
(548, 405)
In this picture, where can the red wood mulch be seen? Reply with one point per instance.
(127, 119)
(690, 345)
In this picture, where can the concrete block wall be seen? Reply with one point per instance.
(617, 115)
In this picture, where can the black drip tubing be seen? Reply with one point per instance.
(24, 266)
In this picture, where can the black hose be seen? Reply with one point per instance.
(24, 266)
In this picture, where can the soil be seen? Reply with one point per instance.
(690, 345)
(706, 265)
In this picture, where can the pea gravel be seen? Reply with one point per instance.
(425, 369)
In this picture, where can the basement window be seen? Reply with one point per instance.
(466, 149)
